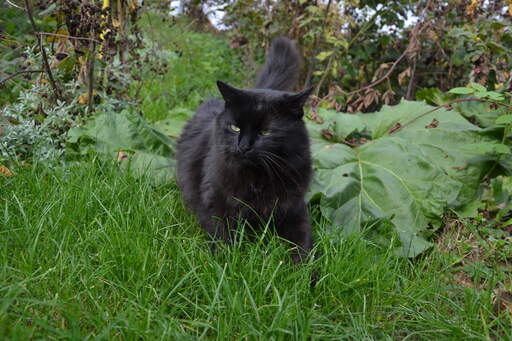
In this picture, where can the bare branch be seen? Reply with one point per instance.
(350, 43)
(66, 36)
(91, 77)
(410, 86)
(14, 5)
(18, 73)
(315, 47)
(382, 79)
(420, 26)
(43, 51)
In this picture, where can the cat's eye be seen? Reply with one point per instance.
(234, 128)
(265, 132)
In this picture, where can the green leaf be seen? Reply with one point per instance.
(145, 149)
(504, 119)
(432, 96)
(482, 113)
(478, 87)
(487, 148)
(496, 96)
(323, 55)
(47, 11)
(173, 125)
(410, 176)
(462, 91)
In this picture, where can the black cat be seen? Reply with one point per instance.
(249, 156)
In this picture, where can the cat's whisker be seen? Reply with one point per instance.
(277, 172)
(286, 162)
(283, 166)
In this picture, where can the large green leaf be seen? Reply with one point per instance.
(484, 114)
(173, 125)
(125, 135)
(408, 171)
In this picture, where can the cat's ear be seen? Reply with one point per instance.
(229, 93)
(295, 102)
(299, 99)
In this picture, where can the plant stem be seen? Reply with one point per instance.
(360, 32)
(315, 47)
(90, 97)
(65, 36)
(46, 66)
(18, 73)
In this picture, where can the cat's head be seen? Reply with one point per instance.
(259, 123)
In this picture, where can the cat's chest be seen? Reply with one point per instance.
(251, 198)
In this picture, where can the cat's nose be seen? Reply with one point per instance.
(244, 148)
(244, 145)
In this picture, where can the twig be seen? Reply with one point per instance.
(322, 80)
(415, 57)
(315, 47)
(361, 31)
(91, 78)
(18, 73)
(43, 52)
(417, 29)
(14, 5)
(410, 86)
(459, 100)
(66, 36)
(383, 78)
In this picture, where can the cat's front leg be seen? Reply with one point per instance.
(296, 228)
(212, 213)
(212, 220)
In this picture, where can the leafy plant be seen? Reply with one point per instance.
(127, 137)
(398, 167)
(194, 62)
(34, 127)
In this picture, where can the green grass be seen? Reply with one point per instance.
(87, 251)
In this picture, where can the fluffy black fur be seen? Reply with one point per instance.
(248, 157)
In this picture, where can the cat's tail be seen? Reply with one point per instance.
(281, 68)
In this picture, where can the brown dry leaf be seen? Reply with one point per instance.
(433, 124)
(470, 9)
(83, 73)
(380, 71)
(314, 114)
(84, 98)
(5, 171)
(122, 156)
(395, 127)
(503, 302)
(388, 96)
(62, 50)
(368, 99)
(51, 39)
(403, 75)
(328, 134)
